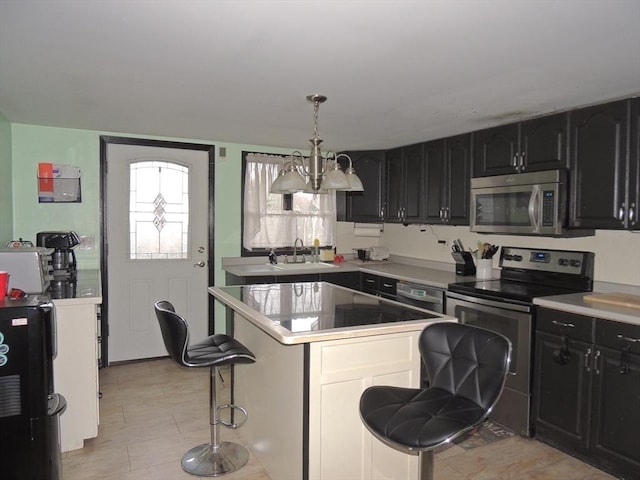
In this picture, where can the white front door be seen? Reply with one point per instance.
(156, 232)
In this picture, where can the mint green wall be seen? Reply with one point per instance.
(6, 202)
(32, 144)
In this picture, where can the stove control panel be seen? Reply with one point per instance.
(559, 261)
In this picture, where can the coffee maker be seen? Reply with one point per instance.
(64, 258)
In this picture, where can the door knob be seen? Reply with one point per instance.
(199, 264)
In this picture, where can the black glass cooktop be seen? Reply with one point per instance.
(508, 290)
(316, 306)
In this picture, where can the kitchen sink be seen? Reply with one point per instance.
(302, 266)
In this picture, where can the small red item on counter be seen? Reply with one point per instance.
(16, 294)
(338, 258)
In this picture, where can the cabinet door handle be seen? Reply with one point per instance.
(522, 165)
(621, 212)
(441, 213)
(562, 324)
(446, 214)
(632, 212)
(514, 162)
(587, 354)
(596, 367)
(628, 339)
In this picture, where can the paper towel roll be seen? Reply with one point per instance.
(367, 229)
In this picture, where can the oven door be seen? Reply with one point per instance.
(515, 323)
(512, 321)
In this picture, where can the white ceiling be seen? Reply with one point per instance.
(395, 71)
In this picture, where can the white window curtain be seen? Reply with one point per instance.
(267, 224)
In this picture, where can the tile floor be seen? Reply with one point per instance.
(152, 412)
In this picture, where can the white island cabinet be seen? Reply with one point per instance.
(317, 347)
(75, 367)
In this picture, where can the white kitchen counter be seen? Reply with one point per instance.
(75, 368)
(88, 290)
(433, 274)
(575, 303)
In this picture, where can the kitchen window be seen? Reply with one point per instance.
(276, 220)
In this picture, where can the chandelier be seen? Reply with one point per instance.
(316, 174)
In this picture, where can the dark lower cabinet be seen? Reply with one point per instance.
(378, 285)
(586, 396)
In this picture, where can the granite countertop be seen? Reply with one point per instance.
(575, 303)
(304, 312)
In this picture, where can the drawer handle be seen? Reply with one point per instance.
(596, 367)
(388, 285)
(628, 339)
(368, 280)
(586, 360)
(562, 324)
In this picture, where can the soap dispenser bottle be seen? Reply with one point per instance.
(273, 258)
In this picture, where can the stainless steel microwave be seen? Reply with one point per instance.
(531, 203)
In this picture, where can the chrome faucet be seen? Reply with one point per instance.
(295, 250)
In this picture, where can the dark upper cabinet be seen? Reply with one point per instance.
(404, 182)
(587, 389)
(599, 173)
(366, 206)
(448, 173)
(532, 145)
(633, 172)
(494, 151)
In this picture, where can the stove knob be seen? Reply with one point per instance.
(508, 257)
(563, 262)
(574, 263)
(517, 258)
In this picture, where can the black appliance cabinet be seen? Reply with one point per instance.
(587, 389)
(29, 408)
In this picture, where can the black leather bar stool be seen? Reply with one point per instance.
(215, 458)
(466, 367)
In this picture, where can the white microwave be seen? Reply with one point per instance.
(533, 203)
(30, 269)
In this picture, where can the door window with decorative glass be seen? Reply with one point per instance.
(158, 210)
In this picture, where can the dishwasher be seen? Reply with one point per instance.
(429, 298)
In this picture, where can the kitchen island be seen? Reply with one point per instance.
(318, 346)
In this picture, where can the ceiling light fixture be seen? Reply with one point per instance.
(316, 174)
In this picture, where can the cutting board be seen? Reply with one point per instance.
(619, 299)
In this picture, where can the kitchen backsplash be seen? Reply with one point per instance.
(617, 253)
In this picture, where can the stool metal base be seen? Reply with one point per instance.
(206, 461)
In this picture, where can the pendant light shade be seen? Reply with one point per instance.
(354, 182)
(335, 179)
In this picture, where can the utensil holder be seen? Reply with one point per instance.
(484, 268)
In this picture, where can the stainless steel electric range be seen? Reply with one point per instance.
(505, 305)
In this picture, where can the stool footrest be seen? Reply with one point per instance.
(233, 407)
